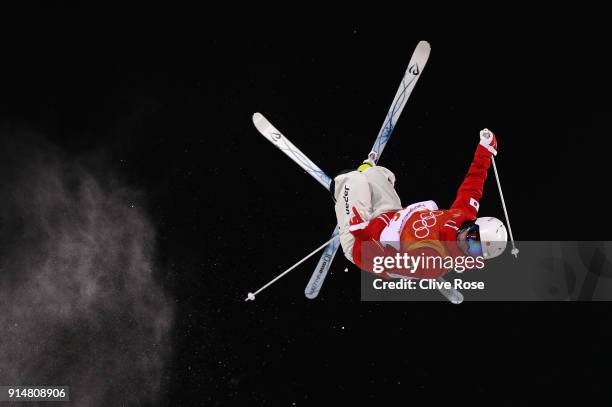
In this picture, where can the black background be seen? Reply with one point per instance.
(170, 106)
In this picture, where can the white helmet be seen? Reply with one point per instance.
(493, 236)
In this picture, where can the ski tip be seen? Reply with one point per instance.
(260, 122)
(257, 117)
(424, 44)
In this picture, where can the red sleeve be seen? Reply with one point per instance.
(470, 191)
(365, 260)
(368, 231)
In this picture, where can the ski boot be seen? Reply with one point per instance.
(367, 163)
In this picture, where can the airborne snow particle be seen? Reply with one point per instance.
(78, 297)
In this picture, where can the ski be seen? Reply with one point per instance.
(276, 137)
(415, 67)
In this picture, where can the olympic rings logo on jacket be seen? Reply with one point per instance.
(428, 220)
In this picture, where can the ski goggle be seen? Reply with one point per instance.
(472, 238)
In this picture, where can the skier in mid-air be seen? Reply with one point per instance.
(368, 209)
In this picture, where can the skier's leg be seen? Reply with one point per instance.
(383, 195)
(351, 190)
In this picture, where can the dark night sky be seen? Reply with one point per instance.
(169, 110)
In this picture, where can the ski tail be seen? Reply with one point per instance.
(316, 280)
(451, 294)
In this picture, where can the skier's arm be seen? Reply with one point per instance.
(368, 230)
(470, 191)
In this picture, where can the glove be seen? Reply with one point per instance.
(488, 140)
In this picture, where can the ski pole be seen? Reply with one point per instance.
(501, 194)
(251, 296)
